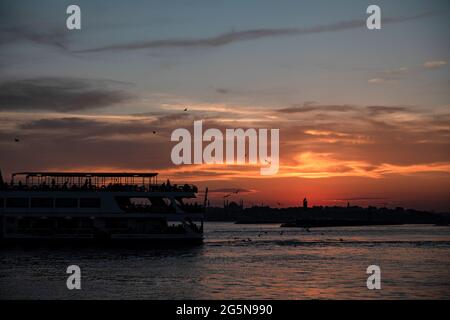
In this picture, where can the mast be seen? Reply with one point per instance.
(206, 197)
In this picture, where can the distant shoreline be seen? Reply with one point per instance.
(319, 216)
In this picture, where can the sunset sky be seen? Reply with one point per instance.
(364, 116)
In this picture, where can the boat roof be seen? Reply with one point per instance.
(88, 174)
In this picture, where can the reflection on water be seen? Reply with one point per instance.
(243, 262)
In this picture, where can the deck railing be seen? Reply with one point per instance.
(113, 187)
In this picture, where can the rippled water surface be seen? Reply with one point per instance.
(243, 262)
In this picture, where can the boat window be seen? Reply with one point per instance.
(145, 205)
(42, 202)
(161, 204)
(17, 202)
(140, 202)
(87, 223)
(190, 205)
(167, 202)
(116, 224)
(68, 223)
(23, 223)
(66, 202)
(90, 203)
(43, 223)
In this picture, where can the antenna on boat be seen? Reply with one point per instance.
(206, 197)
(1, 178)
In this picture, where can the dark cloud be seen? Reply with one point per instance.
(246, 35)
(91, 129)
(362, 110)
(54, 37)
(375, 110)
(230, 190)
(312, 108)
(222, 91)
(59, 94)
(71, 123)
(76, 142)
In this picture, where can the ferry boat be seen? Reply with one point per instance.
(56, 206)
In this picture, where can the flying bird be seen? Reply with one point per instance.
(185, 109)
(16, 140)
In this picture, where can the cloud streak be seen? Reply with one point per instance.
(59, 94)
(52, 38)
(435, 64)
(247, 35)
(310, 107)
(393, 76)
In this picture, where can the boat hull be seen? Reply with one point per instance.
(101, 229)
(90, 241)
